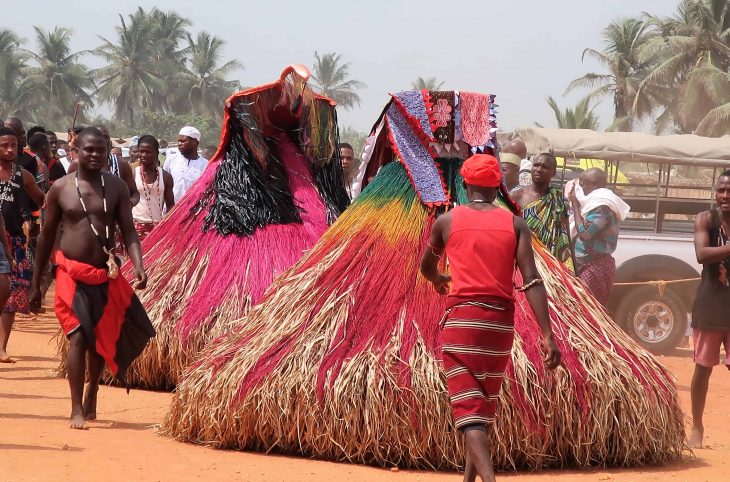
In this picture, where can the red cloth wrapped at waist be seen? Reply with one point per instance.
(85, 273)
(107, 312)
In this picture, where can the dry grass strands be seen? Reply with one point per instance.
(265, 198)
(340, 362)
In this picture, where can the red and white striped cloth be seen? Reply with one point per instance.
(476, 345)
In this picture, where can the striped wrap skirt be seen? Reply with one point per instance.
(476, 348)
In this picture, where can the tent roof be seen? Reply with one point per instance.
(685, 149)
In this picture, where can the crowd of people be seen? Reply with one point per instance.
(105, 205)
(579, 225)
(32, 162)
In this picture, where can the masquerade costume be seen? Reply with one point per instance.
(341, 360)
(265, 198)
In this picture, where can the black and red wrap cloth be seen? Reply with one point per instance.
(107, 311)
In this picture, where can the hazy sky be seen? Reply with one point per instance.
(522, 51)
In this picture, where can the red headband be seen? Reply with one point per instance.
(482, 170)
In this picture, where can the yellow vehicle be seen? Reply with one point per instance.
(578, 165)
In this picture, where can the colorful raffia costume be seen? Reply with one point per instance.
(341, 358)
(266, 197)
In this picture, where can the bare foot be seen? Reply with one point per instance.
(90, 402)
(695, 438)
(4, 358)
(77, 421)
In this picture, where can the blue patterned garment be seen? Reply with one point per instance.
(598, 235)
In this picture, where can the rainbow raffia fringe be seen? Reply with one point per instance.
(264, 200)
(341, 360)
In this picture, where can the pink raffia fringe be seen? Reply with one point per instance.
(200, 281)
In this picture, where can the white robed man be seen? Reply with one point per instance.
(186, 166)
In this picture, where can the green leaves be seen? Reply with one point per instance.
(579, 117)
(151, 64)
(672, 70)
(431, 83)
(331, 77)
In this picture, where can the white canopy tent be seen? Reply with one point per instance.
(677, 149)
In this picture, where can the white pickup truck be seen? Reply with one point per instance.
(666, 180)
(658, 321)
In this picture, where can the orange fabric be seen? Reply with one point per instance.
(482, 170)
(481, 252)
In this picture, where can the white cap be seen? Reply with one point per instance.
(190, 132)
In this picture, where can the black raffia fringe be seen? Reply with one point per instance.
(244, 196)
(330, 180)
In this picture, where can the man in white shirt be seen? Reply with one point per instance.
(185, 166)
(63, 159)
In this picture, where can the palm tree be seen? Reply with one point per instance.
(580, 117)
(432, 83)
(353, 137)
(131, 81)
(692, 49)
(623, 40)
(206, 84)
(59, 79)
(331, 78)
(169, 31)
(714, 85)
(16, 92)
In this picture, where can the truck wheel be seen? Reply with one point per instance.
(658, 323)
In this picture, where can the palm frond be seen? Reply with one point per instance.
(716, 122)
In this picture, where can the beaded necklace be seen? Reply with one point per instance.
(111, 264)
(148, 193)
(7, 187)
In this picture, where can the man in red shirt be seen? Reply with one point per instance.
(482, 243)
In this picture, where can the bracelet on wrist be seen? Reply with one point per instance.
(529, 285)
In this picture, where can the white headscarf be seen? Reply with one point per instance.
(597, 198)
(190, 132)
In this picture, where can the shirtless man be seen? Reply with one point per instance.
(90, 203)
(116, 166)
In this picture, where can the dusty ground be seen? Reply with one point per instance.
(36, 445)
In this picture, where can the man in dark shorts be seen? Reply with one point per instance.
(17, 188)
(482, 243)
(95, 305)
(711, 310)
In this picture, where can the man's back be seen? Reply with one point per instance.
(481, 251)
(598, 235)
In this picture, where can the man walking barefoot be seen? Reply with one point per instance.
(95, 305)
(482, 243)
(710, 313)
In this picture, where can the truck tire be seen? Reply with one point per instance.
(656, 322)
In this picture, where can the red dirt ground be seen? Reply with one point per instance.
(35, 443)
